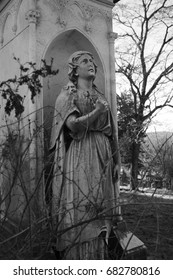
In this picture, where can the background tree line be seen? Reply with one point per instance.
(144, 71)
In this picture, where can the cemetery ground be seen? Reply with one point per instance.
(149, 215)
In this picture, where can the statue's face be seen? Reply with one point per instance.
(86, 68)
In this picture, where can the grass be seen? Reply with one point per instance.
(151, 220)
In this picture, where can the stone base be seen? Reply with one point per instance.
(123, 244)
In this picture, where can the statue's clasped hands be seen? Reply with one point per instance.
(101, 105)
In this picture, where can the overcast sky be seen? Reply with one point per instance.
(164, 119)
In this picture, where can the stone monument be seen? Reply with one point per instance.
(34, 30)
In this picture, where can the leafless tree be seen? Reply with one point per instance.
(144, 52)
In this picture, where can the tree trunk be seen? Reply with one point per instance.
(171, 187)
(135, 167)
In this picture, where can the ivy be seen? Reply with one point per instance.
(30, 77)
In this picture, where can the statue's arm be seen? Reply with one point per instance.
(76, 123)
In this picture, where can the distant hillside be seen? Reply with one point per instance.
(155, 138)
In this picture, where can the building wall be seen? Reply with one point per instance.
(13, 42)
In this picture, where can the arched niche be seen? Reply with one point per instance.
(60, 50)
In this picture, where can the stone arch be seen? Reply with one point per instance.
(3, 23)
(13, 12)
(60, 48)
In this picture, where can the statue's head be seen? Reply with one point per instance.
(74, 62)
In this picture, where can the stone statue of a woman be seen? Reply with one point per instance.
(86, 164)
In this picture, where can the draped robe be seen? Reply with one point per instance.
(85, 189)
